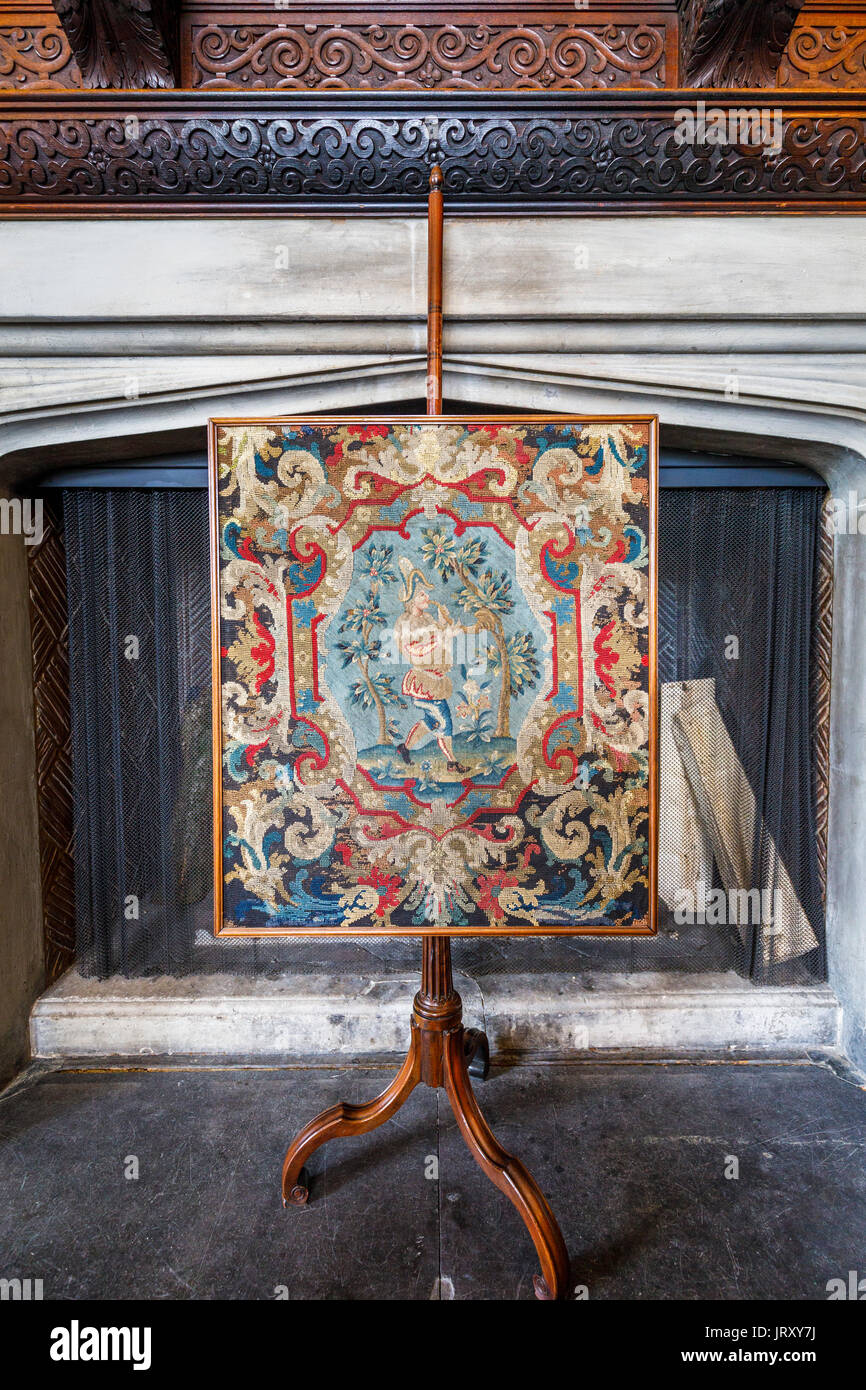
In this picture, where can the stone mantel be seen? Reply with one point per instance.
(136, 331)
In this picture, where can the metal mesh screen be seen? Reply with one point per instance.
(739, 880)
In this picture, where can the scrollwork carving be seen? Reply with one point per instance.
(36, 56)
(825, 55)
(384, 55)
(74, 152)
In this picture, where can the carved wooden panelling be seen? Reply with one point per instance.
(827, 48)
(439, 44)
(34, 51)
(50, 644)
(580, 152)
(381, 48)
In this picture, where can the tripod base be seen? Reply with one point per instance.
(442, 1053)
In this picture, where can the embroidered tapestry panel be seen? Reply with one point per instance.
(434, 675)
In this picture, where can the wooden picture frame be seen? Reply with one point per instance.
(513, 481)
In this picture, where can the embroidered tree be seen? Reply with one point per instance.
(363, 647)
(487, 598)
(523, 668)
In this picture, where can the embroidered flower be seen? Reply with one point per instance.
(438, 548)
(378, 563)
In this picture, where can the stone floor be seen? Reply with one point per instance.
(632, 1155)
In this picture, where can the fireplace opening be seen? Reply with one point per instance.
(742, 719)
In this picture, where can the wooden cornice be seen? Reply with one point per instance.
(734, 43)
(271, 153)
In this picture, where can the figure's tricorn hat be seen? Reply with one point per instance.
(412, 577)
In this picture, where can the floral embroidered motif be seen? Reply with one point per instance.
(435, 654)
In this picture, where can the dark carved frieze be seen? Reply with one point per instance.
(734, 43)
(122, 43)
(468, 52)
(500, 152)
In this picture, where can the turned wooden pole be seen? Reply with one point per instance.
(437, 983)
(434, 293)
(437, 994)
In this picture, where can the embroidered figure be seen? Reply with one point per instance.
(424, 637)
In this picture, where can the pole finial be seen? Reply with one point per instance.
(434, 152)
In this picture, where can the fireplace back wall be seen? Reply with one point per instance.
(737, 601)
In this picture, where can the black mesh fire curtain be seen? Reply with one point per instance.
(736, 596)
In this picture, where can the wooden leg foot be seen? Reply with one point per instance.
(298, 1195)
(343, 1120)
(477, 1050)
(507, 1173)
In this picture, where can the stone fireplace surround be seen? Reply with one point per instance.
(747, 335)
